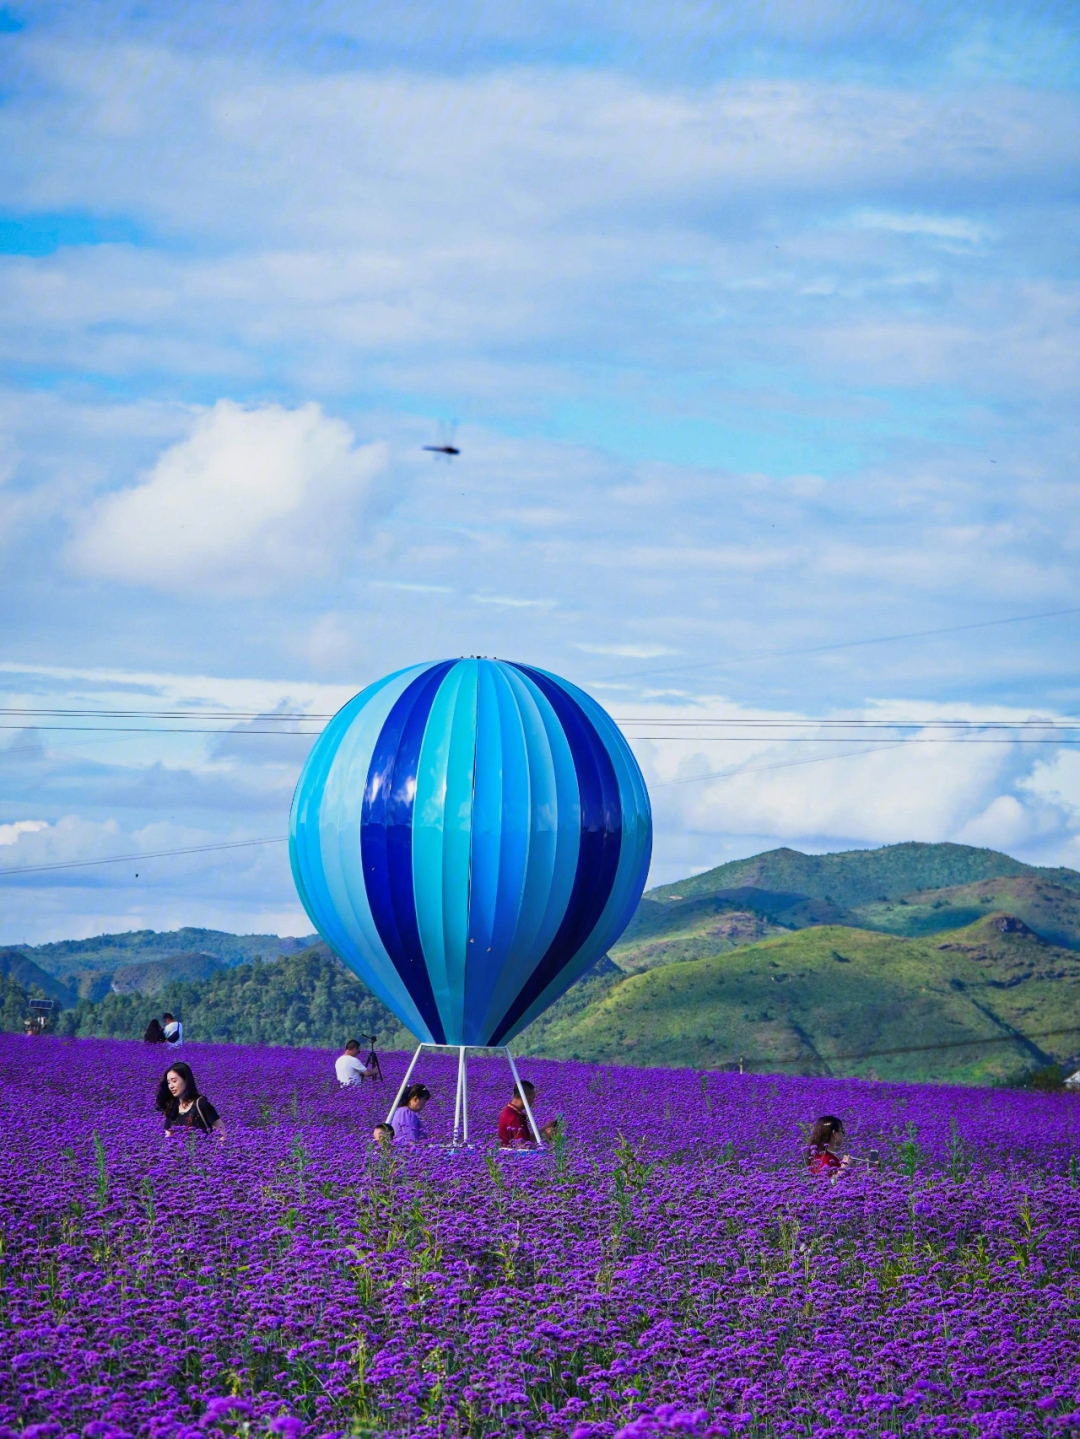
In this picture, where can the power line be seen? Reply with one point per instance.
(132, 858)
(1059, 736)
(153, 729)
(782, 764)
(851, 644)
(731, 721)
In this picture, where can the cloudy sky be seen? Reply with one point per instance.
(758, 327)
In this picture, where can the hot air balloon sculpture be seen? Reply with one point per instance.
(469, 837)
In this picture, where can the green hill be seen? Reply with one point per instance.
(16, 965)
(860, 876)
(978, 1008)
(1051, 910)
(895, 889)
(299, 999)
(105, 953)
(963, 958)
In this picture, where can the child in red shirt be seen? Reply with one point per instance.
(825, 1155)
(515, 1131)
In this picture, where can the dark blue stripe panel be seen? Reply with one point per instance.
(598, 854)
(386, 837)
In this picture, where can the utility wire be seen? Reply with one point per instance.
(782, 764)
(132, 858)
(850, 644)
(230, 717)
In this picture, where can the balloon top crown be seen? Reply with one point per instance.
(469, 836)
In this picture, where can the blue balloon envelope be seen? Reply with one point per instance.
(469, 837)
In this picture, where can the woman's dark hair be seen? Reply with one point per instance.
(825, 1131)
(414, 1091)
(164, 1096)
(154, 1032)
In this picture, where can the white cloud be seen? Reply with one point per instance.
(632, 652)
(951, 228)
(253, 500)
(511, 602)
(9, 833)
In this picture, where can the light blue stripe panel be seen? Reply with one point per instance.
(555, 841)
(485, 965)
(486, 824)
(304, 843)
(457, 831)
(365, 952)
(430, 842)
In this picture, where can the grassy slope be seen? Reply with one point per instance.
(791, 1002)
(1052, 910)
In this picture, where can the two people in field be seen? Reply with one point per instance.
(165, 1030)
(515, 1131)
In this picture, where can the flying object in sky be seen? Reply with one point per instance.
(446, 447)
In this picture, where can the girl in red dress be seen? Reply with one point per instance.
(825, 1155)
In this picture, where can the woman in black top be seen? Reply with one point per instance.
(179, 1100)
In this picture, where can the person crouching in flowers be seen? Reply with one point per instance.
(406, 1123)
(179, 1100)
(825, 1155)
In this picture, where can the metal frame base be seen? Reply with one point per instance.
(461, 1097)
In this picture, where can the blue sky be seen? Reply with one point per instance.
(758, 326)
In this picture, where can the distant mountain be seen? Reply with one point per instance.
(891, 889)
(986, 1003)
(15, 965)
(152, 977)
(964, 959)
(308, 998)
(105, 953)
(860, 876)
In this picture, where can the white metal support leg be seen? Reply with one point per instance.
(458, 1093)
(524, 1098)
(404, 1083)
(465, 1094)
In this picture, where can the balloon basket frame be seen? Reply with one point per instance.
(461, 1097)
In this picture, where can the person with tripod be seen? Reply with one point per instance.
(349, 1067)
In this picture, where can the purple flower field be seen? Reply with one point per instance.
(670, 1269)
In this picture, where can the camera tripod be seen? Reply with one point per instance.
(372, 1067)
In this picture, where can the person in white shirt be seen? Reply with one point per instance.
(174, 1029)
(347, 1066)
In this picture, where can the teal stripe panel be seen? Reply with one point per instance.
(431, 841)
(486, 963)
(516, 817)
(457, 846)
(487, 821)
